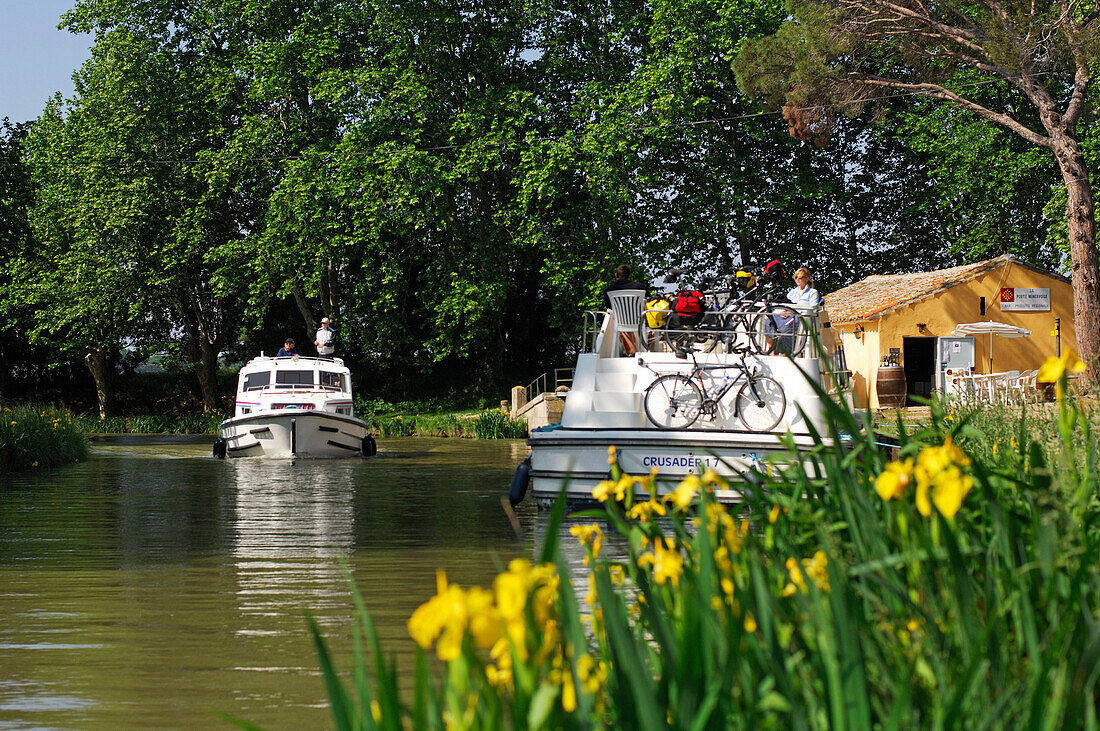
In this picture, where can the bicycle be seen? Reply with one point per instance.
(678, 331)
(746, 317)
(675, 401)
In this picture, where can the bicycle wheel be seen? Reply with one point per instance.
(673, 402)
(761, 403)
(677, 340)
(736, 334)
(775, 330)
(793, 342)
(711, 335)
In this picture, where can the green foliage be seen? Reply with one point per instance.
(496, 424)
(416, 419)
(39, 436)
(423, 177)
(962, 595)
(196, 423)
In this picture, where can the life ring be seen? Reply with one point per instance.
(370, 447)
(520, 480)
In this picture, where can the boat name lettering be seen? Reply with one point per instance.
(679, 461)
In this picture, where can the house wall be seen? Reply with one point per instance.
(940, 314)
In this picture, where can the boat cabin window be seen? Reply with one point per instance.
(294, 378)
(333, 380)
(256, 381)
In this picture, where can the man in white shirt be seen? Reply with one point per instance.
(324, 339)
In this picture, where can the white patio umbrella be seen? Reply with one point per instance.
(991, 328)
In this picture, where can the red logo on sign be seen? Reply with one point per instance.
(1008, 294)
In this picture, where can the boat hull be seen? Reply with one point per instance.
(576, 459)
(293, 433)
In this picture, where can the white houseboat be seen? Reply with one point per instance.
(718, 422)
(294, 407)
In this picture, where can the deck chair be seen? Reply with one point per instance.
(627, 306)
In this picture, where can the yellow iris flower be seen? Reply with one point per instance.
(1052, 370)
(816, 568)
(682, 496)
(588, 535)
(643, 511)
(665, 560)
(894, 479)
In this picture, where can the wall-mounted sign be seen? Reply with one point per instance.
(1033, 299)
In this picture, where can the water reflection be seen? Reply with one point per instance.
(153, 584)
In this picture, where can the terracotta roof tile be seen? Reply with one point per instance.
(876, 295)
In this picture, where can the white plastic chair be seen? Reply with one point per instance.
(627, 306)
(1023, 386)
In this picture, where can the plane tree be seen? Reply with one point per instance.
(838, 55)
(86, 295)
(155, 102)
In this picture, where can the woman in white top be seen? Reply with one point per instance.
(803, 293)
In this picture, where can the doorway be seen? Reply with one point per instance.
(919, 357)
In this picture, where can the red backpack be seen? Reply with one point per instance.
(689, 303)
(774, 269)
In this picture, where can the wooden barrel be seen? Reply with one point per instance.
(890, 386)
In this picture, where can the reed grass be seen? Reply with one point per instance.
(197, 423)
(39, 436)
(935, 587)
(488, 424)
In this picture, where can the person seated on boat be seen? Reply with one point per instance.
(802, 294)
(627, 344)
(622, 281)
(288, 350)
(324, 339)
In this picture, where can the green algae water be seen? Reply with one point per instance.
(154, 587)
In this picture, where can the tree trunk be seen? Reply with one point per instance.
(206, 370)
(1081, 221)
(99, 363)
(304, 307)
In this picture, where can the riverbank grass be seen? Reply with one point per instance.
(949, 583)
(39, 436)
(197, 423)
(411, 419)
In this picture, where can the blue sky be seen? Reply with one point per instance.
(36, 59)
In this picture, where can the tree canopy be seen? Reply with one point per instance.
(1025, 66)
(453, 184)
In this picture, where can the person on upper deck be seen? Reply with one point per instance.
(623, 281)
(288, 350)
(627, 343)
(324, 339)
(783, 323)
(803, 292)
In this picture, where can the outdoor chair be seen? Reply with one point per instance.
(1022, 388)
(627, 306)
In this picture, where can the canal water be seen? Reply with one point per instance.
(155, 587)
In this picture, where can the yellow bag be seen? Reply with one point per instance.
(656, 319)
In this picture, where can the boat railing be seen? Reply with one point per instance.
(740, 325)
(282, 389)
(591, 329)
(562, 377)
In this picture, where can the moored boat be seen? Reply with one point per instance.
(616, 400)
(294, 407)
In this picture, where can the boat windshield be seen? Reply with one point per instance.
(256, 381)
(335, 381)
(294, 378)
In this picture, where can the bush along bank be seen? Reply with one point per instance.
(39, 436)
(935, 587)
(490, 424)
(199, 423)
(405, 420)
